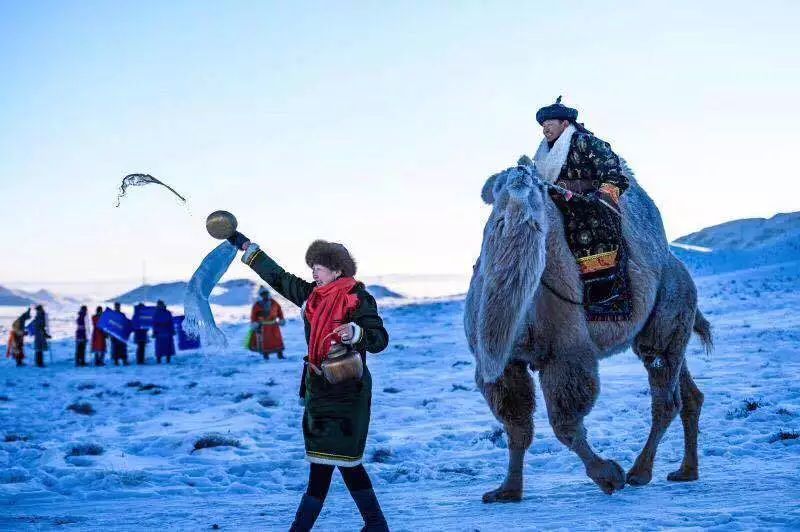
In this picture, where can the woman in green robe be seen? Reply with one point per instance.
(336, 418)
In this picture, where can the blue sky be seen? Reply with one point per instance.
(371, 123)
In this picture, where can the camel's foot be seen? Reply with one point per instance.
(607, 474)
(639, 476)
(503, 494)
(684, 474)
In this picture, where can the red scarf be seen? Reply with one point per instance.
(326, 308)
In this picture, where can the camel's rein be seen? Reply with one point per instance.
(559, 296)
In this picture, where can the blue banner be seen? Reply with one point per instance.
(184, 341)
(115, 324)
(143, 317)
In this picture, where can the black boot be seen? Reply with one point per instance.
(307, 514)
(370, 510)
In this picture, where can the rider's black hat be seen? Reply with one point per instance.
(557, 111)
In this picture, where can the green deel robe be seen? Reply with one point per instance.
(336, 417)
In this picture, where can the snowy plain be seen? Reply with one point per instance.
(433, 447)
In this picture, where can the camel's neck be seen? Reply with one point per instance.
(559, 273)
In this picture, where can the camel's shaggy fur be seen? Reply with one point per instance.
(513, 322)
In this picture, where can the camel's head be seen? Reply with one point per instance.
(510, 265)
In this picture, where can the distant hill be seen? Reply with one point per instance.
(236, 292)
(379, 291)
(741, 244)
(13, 298)
(169, 293)
(750, 233)
(233, 293)
(21, 298)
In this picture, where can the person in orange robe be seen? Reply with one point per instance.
(16, 349)
(98, 339)
(266, 319)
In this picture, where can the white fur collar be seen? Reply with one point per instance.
(548, 162)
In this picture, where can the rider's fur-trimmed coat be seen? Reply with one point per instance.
(590, 164)
(592, 224)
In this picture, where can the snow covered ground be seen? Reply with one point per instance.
(433, 448)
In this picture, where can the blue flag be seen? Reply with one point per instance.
(115, 324)
(184, 340)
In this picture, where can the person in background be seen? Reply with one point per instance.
(80, 337)
(98, 339)
(139, 335)
(40, 335)
(163, 332)
(266, 319)
(16, 339)
(119, 348)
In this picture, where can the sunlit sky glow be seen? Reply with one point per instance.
(370, 123)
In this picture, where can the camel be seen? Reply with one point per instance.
(523, 310)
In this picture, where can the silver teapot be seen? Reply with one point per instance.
(343, 364)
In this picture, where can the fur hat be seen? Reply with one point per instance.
(332, 255)
(557, 111)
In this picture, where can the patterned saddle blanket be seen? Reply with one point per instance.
(594, 235)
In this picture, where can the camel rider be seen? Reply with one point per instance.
(592, 176)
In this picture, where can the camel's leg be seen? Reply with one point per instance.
(570, 389)
(663, 371)
(661, 346)
(511, 400)
(692, 402)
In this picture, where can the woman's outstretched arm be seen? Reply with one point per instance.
(289, 286)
